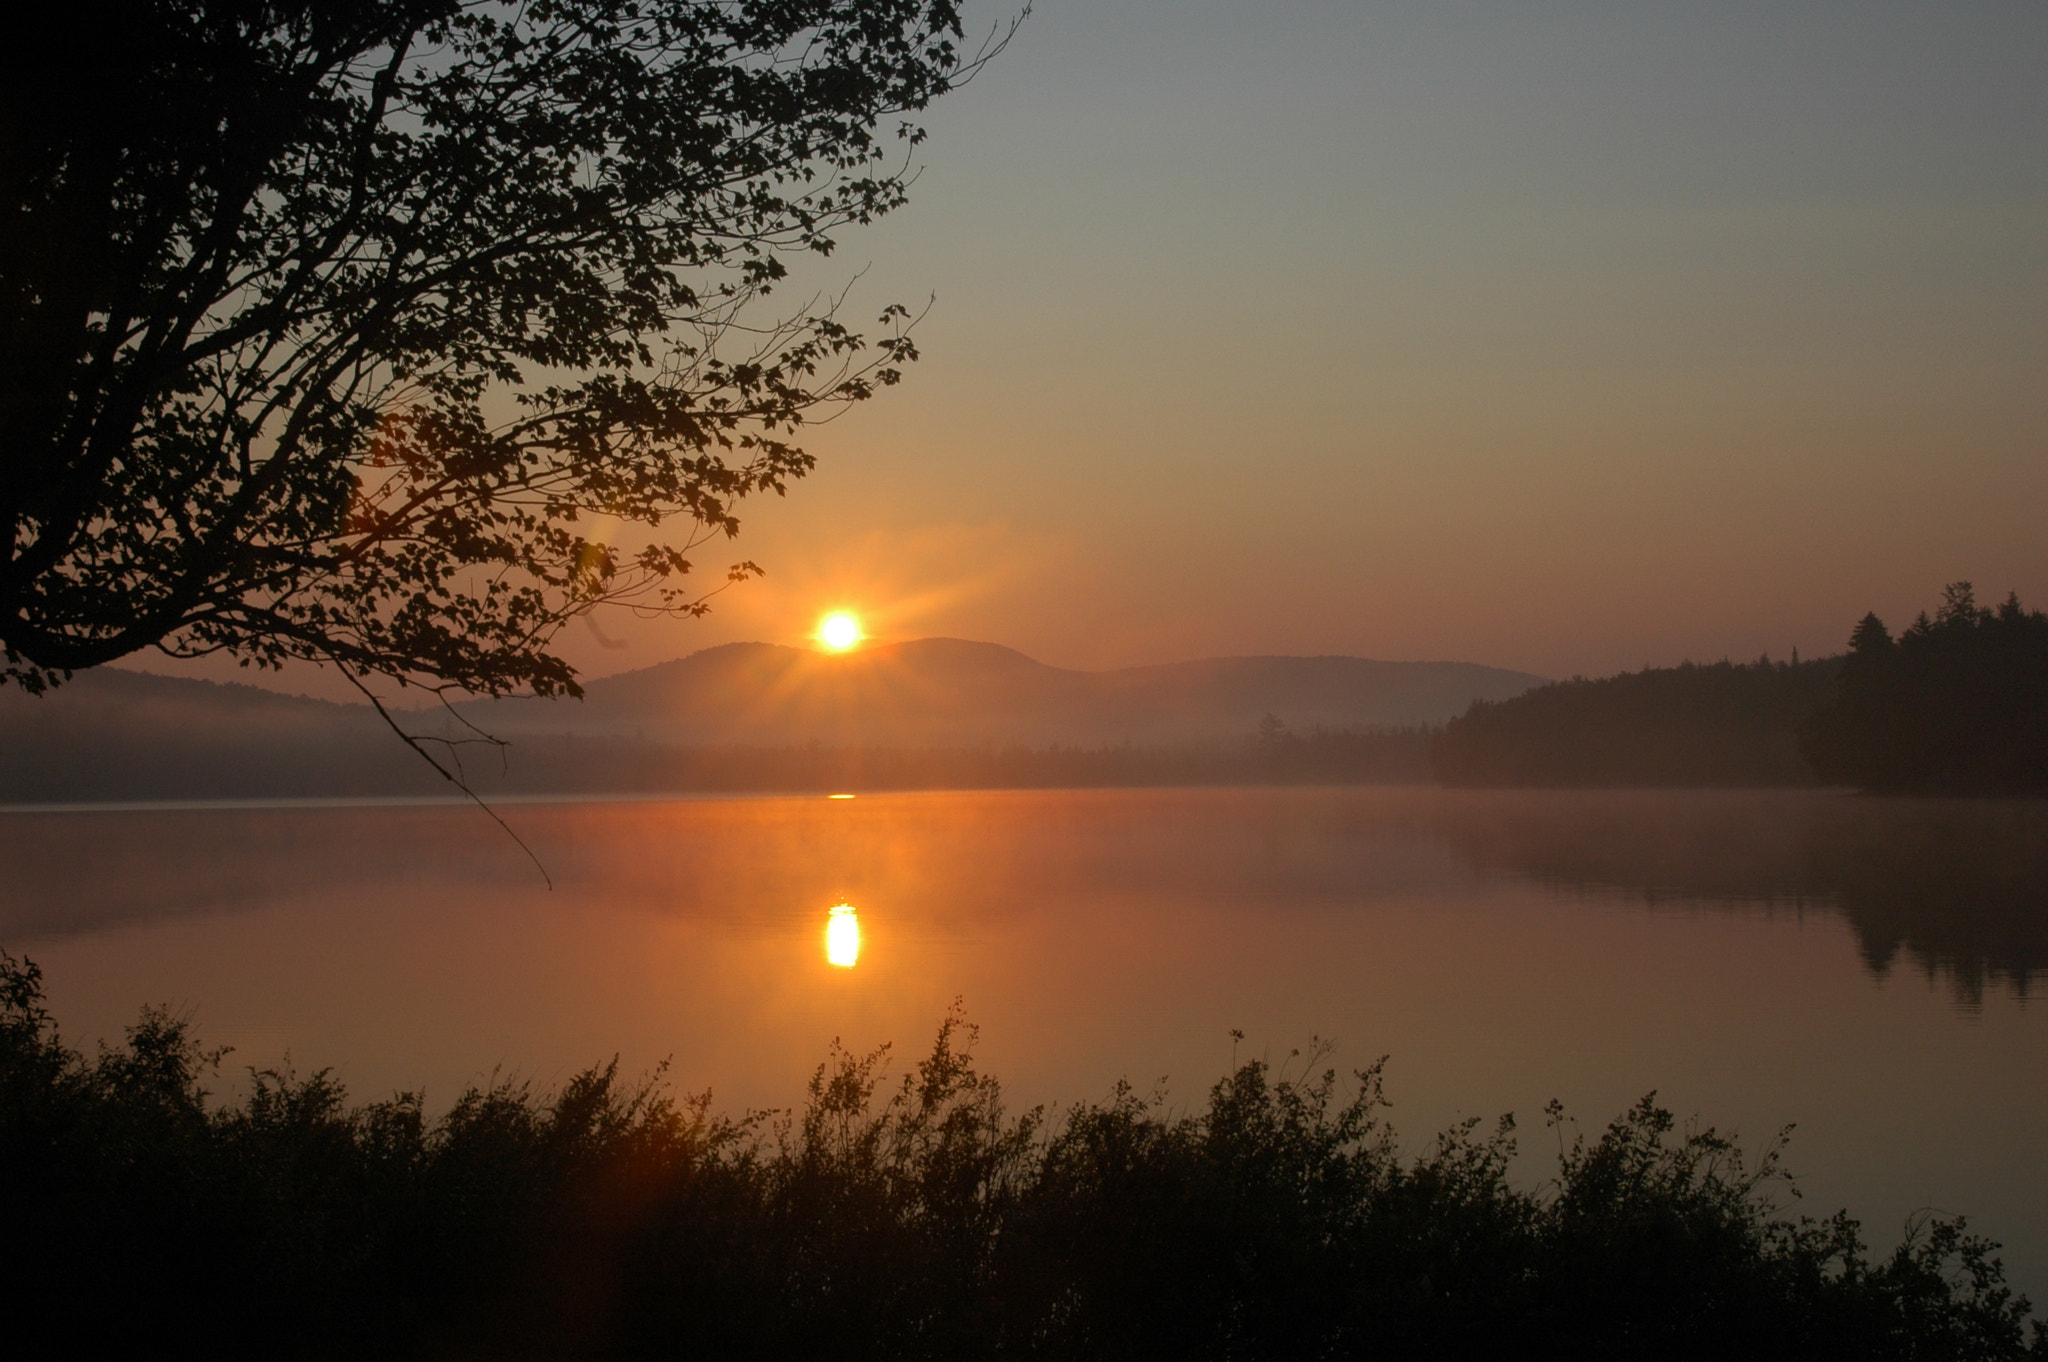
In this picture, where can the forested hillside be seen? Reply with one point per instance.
(1957, 704)
(1723, 723)
(123, 736)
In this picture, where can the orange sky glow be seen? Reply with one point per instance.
(1567, 342)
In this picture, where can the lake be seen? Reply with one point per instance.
(1867, 969)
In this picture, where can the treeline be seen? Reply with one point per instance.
(1276, 1220)
(1274, 755)
(1956, 704)
(368, 761)
(1733, 724)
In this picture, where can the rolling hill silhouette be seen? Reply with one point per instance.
(120, 735)
(945, 691)
(109, 734)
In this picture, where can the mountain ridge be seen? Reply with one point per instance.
(744, 716)
(946, 690)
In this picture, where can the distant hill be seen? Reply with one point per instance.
(753, 716)
(950, 692)
(118, 735)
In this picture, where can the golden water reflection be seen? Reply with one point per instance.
(842, 936)
(1757, 958)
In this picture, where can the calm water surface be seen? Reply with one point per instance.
(1867, 969)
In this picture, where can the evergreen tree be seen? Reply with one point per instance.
(1957, 703)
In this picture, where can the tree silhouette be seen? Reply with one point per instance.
(1718, 724)
(1957, 703)
(392, 335)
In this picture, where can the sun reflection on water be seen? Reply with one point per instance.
(842, 936)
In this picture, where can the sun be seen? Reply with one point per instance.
(839, 631)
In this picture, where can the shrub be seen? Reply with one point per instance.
(1279, 1220)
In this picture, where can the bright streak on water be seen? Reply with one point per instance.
(842, 936)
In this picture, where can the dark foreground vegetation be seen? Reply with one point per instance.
(1277, 1220)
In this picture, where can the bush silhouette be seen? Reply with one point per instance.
(918, 1220)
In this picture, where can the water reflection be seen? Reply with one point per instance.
(1957, 887)
(1505, 947)
(842, 936)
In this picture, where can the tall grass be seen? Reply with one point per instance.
(907, 1219)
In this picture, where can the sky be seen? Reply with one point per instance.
(1557, 336)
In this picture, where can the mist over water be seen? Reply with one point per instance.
(1868, 969)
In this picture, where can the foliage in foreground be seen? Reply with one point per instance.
(392, 334)
(1279, 1220)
